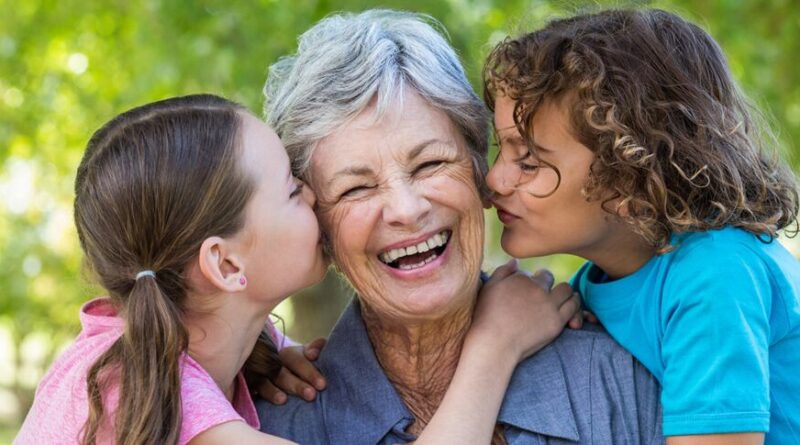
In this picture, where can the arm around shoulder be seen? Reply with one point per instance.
(236, 432)
(718, 439)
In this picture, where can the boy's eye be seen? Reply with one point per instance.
(527, 168)
(526, 164)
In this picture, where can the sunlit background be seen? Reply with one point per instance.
(68, 66)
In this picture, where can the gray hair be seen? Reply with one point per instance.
(348, 59)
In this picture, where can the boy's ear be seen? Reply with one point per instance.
(622, 206)
(220, 265)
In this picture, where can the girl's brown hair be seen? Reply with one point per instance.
(154, 183)
(677, 146)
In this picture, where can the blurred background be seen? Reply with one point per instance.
(68, 66)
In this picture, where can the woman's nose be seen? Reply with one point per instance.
(405, 205)
(498, 178)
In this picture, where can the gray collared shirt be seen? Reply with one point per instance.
(583, 388)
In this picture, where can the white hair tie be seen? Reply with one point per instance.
(145, 273)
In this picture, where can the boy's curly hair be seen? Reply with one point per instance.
(678, 147)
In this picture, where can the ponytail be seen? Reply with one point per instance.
(146, 359)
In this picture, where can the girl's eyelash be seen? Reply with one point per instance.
(297, 190)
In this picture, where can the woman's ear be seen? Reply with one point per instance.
(221, 266)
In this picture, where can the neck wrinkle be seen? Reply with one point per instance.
(419, 359)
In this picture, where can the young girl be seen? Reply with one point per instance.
(624, 140)
(191, 220)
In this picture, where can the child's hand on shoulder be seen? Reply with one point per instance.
(298, 376)
(520, 312)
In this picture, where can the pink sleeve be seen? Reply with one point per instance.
(203, 404)
(281, 340)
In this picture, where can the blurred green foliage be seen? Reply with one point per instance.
(68, 66)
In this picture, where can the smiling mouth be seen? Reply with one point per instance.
(418, 255)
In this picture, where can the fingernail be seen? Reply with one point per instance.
(319, 383)
(313, 352)
(280, 398)
(308, 393)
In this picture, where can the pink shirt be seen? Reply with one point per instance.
(60, 408)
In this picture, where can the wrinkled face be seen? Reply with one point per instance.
(281, 233)
(564, 222)
(398, 200)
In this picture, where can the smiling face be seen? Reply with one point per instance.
(398, 200)
(564, 222)
(281, 234)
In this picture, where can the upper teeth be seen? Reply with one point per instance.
(431, 243)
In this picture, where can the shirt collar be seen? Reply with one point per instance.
(357, 382)
(537, 399)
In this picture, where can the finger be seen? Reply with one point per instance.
(571, 307)
(561, 293)
(504, 271)
(304, 370)
(544, 277)
(271, 393)
(590, 317)
(312, 349)
(576, 322)
(294, 385)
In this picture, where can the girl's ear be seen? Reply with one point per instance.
(221, 266)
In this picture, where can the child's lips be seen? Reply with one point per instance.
(505, 216)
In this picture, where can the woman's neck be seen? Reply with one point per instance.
(419, 357)
(221, 339)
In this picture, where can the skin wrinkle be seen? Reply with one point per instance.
(417, 328)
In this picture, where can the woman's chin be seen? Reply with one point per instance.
(430, 302)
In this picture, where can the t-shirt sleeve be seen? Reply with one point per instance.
(281, 340)
(715, 343)
(203, 404)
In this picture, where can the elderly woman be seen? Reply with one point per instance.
(377, 115)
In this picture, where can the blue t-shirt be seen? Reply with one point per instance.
(717, 322)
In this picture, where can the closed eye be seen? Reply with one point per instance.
(525, 164)
(297, 190)
(354, 191)
(429, 165)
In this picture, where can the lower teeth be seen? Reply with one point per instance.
(420, 264)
